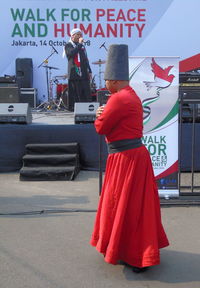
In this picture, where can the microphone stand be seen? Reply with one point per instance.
(45, 62)
(100, 163)
(100, 136)
(100, 155)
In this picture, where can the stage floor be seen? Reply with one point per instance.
(52, 117)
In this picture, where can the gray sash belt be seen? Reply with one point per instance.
(125, 144)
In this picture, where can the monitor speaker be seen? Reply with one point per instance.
(9, 95)
(24, 72)
(102, 96)
(85, 112)
(15, 113)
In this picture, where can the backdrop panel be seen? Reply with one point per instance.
(150, 27)
(156, 80)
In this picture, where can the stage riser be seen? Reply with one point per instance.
(52, 148)
(47, 160)
(48, 166)
(48, 174)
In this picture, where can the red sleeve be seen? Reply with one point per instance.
(111, 115)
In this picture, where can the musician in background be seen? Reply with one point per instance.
(79, 71)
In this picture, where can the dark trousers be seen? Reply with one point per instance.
(79, 91)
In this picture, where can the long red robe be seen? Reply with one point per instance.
(128, 222)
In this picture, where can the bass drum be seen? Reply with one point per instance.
(60, 89)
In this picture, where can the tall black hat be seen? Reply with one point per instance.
(117, 63)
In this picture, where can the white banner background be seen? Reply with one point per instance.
(156, 80)
(149, 27)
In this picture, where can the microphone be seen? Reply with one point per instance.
(103, 45)
(54, 49)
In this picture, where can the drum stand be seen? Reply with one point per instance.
(99, 62)
(50, 103)
(61, 104)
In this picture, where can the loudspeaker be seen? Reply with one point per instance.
(24, 72)
(28, 95)
(102, 96)
(85, 112)
(9, 95)
(15, 113)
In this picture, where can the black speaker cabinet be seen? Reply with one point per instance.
(102, 96)
(24, 72)
(9, 95)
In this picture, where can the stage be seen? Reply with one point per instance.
(58, 127)
(49, 127)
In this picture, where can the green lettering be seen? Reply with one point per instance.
(162, 139)
(42, 30)
(38, 16)
(86, 14)
(75, 14)
(144, 139)
(150, 139)
(155, 140)
(16, 31)
(17, 14)
(64, 12)
(161, 148)
(50, 14)
(152, 149)
(30, 15)
(29, 30)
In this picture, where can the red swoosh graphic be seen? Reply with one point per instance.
(170, 170)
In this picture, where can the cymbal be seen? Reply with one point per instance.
(50, 67)
(62, 77)
(99, 62)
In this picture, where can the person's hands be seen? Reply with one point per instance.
(99, 111)
(80, 40)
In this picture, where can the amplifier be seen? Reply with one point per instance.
(7, 79)
(189, 77)
(29, 95)
(15, 113)
(189, 94)
(3, 84)
(9, 94)
(85, 112)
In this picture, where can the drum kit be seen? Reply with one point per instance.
(57, 103)
(99, 62)
(60, 101)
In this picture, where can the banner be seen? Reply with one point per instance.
(156, 81)
(31, 28)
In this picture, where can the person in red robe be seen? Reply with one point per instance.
(128, 227)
